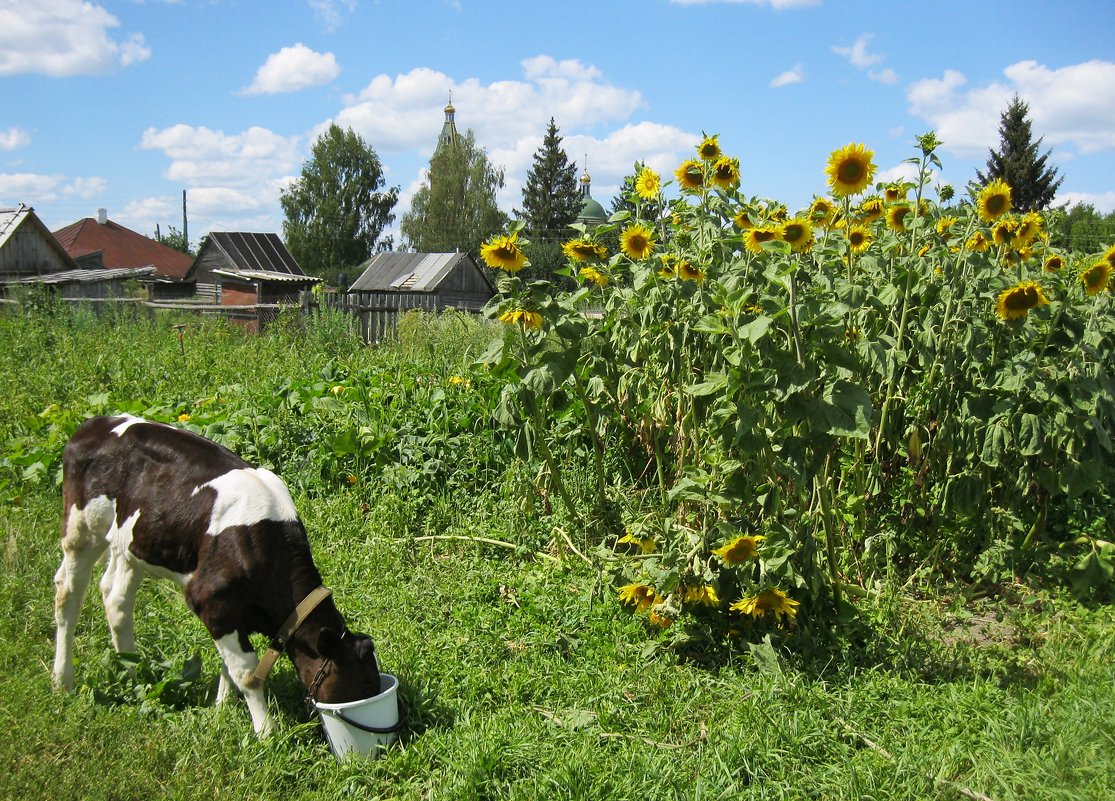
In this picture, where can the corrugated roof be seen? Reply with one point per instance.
(268, 275)
(83, 276)
(256, 252)
(405, 272)
(122, 248)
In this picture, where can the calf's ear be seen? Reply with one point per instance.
(329, 644)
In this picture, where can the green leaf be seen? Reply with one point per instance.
(756, 329)
(845, 410)
(714, 383)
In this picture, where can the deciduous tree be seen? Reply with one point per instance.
(337, 210)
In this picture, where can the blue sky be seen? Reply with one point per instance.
(123, 105)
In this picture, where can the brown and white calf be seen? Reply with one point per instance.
(170, 504)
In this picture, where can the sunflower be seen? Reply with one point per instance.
(993, 201)
(894, 192)
(743, 220)
(690, 176)
(776, 212)
(850, 170)
(1003, 232)
(594, 276)
(798, 234)
(709, 149)
(978, 242)
(872, 209)
(661, 621)
(1096, 277)
(1109, 255)
(641, 596)
(759, 234)
(704, 595)
(740, 549)
(822, 212)
(1016, 302)
(527, 319)
(636, 241)
(725, 173)
(772, 600)
(859, 239)
(648, 184)
(1030, 227)
(1053, 263)
(646, 544)
(688, 272)
(944, 225)
(896, 217)
(669, 268)
(582, 250)
(503, 253)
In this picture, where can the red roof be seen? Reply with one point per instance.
(122, 247)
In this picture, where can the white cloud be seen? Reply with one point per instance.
(62, 38)
(857, 53)
(796, 75)
(202, 157)
(292, 69)
(400, 113)
(885, 75)
(778, 5)
(1104, 202)
(33, 188)
(1070, 106)
(14, 138)
(330, 12)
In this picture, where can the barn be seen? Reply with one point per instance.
(27, 248)
(391, 283)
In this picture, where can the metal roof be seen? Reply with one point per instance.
(12, 218)
(122, 247)
(261, 253)
(268, 275)
(82, 276)
(406, 272)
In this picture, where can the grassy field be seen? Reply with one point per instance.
(521, 674)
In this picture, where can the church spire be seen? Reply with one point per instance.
(448, 136)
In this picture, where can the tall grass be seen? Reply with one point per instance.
(522, 677)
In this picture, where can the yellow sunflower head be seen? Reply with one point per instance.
(688, 272)
(704, 594)
(743, 220)
(584, 250)
(774, 601)
(978, 242)
(859, 238)
(850, 170)
(648, 184)
(594, 276)
(872, 209)
(1016, 302)
(894, 192)
(993, 201)
(944, 225)
(1031, 227)
(709, 149)
(725, 173)
(739, 550)
(637, 242)
(503, 253)
(1054, 263)
(690, 176)
(641, 596)
(669, 268)
(1003, 232)
(1096, 277)
(761, 234)
(822, 212)
(523, 317)
(798, 234)
(896, 217)
(1109, 255)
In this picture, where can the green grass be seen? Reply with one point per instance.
(522, 677)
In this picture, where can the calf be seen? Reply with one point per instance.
(170, 504)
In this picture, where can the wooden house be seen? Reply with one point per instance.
(27, 248)
(391, 283)
(100, 242)
(254, 272)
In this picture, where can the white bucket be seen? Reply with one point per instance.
(363, 728)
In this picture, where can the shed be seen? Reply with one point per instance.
(85, 284)
(101, 242)
(391, 283)
(248, 270)
(27, 247)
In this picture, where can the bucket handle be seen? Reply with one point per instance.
(371, 729)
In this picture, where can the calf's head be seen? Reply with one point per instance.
(350, 671)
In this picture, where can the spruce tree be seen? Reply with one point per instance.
(551, 197)
(1032, 180)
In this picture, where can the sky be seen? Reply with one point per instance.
(125, 104)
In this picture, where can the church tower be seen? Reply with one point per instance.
(448, 136)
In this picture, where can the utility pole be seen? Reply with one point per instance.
(185, 230)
